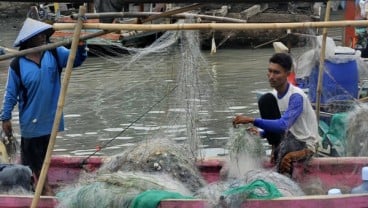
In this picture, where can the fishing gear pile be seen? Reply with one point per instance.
(120, 189)
(255, 184)
(158, 156)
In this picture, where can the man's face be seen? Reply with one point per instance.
(277, 75)
(37, 40)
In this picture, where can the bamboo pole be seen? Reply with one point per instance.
(146, 14)
(322, 62)
(215, 26)
(50, 46)
(8, 49)
(61, 101)
(172, 12)
(69, 41)
(107, 28)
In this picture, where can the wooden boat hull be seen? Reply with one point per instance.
(332, 172)
(351, 201)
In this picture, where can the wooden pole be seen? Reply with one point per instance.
(351, 12)
(15, 53)
(176, 1)
(322, 62)
(68, 70)
(172, 12)
(146, 14)
(214, 26)
(85, 37)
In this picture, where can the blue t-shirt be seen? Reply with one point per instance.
(42, 83)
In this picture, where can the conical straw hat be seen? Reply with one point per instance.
(31, 28)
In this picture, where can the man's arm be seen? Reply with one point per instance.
(295, 108)
(80, 57)
(10, 100)
(10, 95)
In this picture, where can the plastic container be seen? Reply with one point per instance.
(334, 191)
(340, 82)
(362, 188)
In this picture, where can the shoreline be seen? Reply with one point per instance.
(14, 9)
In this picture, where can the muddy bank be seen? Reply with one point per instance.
(12, 16)
(14, 9)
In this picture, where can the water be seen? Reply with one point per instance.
(113, 105)
(104, 97)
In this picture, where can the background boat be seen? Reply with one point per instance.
(241, 12)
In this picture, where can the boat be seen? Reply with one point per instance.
(113, 43)
(333, 172)
(259, 13)
(245, 12)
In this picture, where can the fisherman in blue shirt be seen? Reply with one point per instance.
(288, 120)
(34, 83)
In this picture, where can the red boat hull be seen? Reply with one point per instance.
(332, 172)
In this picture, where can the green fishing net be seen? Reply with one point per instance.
(151, 198)
(258, 189)
(336, 132)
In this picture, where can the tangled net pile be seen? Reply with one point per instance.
(161, 156)
(160, 165)
(357, 131)
(260, 184)
(246, 152)
(117, 189)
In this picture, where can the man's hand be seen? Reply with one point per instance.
(7, 128)
(242, 120)
(286, 162)
(253, 131)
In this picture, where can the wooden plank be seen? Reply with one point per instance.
(279, 47)
(253, 10)
(346, 200)
(196, 203)
(21, 201)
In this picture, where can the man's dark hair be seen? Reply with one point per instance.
(283, 59)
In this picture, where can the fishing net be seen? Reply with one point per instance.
(118, 189)
(356, 131)
(345, 133)
(343, 84)
(246, 152)
(15, 179)
(9, 148)
(258, 189)
(162, 153)
(161, 156)
(285, 185)
(256, 184)
(343, 68)
(334, 134)
(178, 99)
(151, 198)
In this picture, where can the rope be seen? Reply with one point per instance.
(84, 161)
